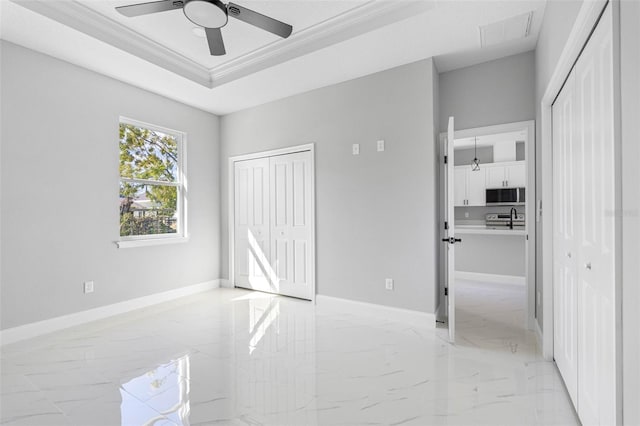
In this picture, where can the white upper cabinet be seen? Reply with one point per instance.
(460, 186)
(476, 187)
(516, 175)
(469, 186)
(503, 175)
(495, 176)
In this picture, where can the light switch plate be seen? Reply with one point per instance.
(380, 145)
(355, 148)
(88, 287)
(388, 283)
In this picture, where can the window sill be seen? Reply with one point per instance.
(151, 242)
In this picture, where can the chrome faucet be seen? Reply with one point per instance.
(511, 213)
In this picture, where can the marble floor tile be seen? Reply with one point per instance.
(234, 357)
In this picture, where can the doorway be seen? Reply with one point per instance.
(272, 221)
(488, 209)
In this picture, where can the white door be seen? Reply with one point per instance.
(516, 175)
(585, 231)
(476, 186)
(460, 186)
(495, 176)
(450, 218)
(596, 245)
(565, 314)
(291, 227)
(251, 233)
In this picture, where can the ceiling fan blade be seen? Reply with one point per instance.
(259, 20)
(151, 7)
(216, 44)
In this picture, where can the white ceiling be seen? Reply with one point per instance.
(333, 41)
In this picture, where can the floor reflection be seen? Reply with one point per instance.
(234, 357)
(158, 395)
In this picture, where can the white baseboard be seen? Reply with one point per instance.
(415, 318)
(27, 331)
(491, 278)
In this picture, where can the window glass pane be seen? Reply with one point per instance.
(147, 154)
(148, 209)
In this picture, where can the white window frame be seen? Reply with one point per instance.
(181, 236)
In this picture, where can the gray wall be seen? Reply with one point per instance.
(630, 88)
(375, 212)
(559, 17)
(496, 92)
(59, 180)
(491, 254)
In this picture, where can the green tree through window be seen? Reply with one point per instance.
(150, 181)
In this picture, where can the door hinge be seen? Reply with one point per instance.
(446, 225)
(446, 291)
(446, 158)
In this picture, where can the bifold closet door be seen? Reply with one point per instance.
(291, 226)
(565, 296)
(595, 172)
(273, 224)
(252, 241)
(585, 229)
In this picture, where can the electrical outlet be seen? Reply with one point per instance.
(88, 286)
(388, 284)
(381, 145)
(355, 149)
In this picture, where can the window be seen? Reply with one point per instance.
(152, 184)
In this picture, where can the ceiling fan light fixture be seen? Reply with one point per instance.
(206, 13)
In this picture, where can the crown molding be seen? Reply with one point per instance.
(84, 19)
(367, 17)
(370, 16)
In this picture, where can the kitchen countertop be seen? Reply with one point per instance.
(489, 230)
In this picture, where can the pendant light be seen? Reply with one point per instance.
(475, 164)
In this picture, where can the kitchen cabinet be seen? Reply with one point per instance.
(469, 186)
(512, 174)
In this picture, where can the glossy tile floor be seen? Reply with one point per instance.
(241, 358)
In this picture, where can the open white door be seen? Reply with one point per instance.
(450, 240)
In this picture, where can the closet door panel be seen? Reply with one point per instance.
(291, 226)
(251, 233)
(595, 172)
(564, 267)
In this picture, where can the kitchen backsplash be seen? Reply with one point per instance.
(479, 213)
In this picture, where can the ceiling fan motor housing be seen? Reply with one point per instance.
(206, 13)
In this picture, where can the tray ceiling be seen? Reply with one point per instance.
(332, 41)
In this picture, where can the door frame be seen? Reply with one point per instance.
(231, 211)
(530, 251)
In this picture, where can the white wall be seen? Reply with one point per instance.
(59, 176)
(376, 211)
(559, 17)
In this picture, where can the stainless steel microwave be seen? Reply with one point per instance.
(505, 196)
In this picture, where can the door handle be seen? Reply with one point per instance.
(452, 240)
(588, 265)
(569, 254)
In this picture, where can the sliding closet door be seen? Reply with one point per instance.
(251, 233)
(291, 224)
(565, 315)
(596, 176)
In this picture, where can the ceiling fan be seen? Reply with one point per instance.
(212, 15)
